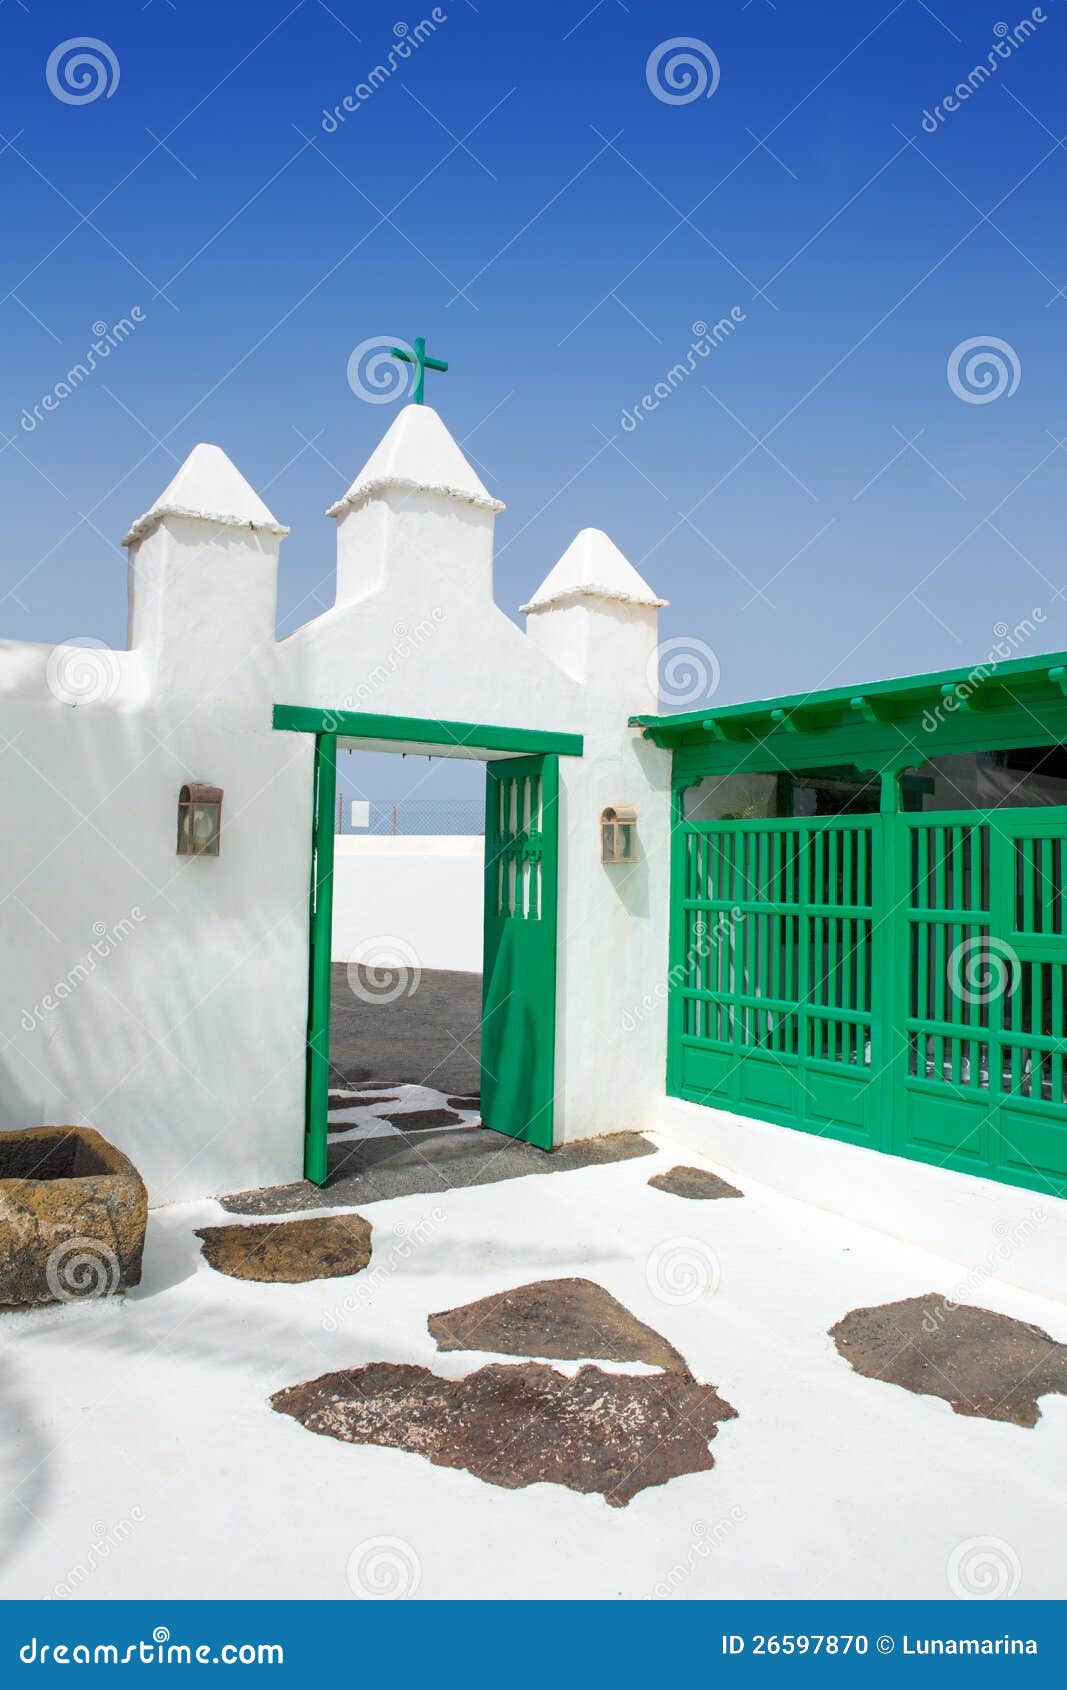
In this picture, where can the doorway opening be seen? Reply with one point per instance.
(406, 954)
(519, 902)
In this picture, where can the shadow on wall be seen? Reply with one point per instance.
(16, 1110)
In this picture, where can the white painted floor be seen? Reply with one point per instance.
(139, 1456)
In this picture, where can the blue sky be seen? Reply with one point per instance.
(518, 193)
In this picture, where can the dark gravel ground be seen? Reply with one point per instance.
(432, 1037)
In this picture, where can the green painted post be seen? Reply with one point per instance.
(891, 944)
(422, 364)
(677, 972)
(318, 1046)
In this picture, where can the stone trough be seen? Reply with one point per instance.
(73, 1211)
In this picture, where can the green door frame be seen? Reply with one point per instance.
(328, 726)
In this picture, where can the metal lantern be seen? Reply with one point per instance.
(199, 820)
(618, 834)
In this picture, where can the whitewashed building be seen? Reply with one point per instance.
(163, 998)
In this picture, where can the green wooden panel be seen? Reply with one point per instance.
(321, 929)
(898, 981)
(774, 955)
(519, 960)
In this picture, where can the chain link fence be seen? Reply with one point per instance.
(410, 815)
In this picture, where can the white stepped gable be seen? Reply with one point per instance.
(593, 567)
(417, 455)
(209, 488)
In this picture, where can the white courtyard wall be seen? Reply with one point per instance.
(422, 895)
(161, 999)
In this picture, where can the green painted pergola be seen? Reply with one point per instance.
(879, 726)
(895, 979)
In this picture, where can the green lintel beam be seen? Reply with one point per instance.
(363, 724)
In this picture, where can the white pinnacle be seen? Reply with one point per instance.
(592, 567)
(209, 488)
(417, 454)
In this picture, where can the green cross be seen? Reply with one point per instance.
(422, 364)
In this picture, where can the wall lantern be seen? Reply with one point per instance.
(618, 836)
(199, 820)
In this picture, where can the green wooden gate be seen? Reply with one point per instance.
(519, 956)
(774, 968)
(894, 980)
(519, 972)
(981, 981)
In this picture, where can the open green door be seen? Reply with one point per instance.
(519, 961)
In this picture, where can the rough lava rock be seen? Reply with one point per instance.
(984, 1364)
(517, 1426)
(561, 1319)
(290, 1252)
(694, 1183)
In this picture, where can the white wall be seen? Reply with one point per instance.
(163, 999)
(159, 998)
(422, 896)
(993, 1232)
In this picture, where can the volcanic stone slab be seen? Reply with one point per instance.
(982, 1363)
(73, 1212)
(562, 1319)
(369, 1170)
(411, 1120)
(695, 1183)
(518, 1426)
(290, 1252)
(358, 1099)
